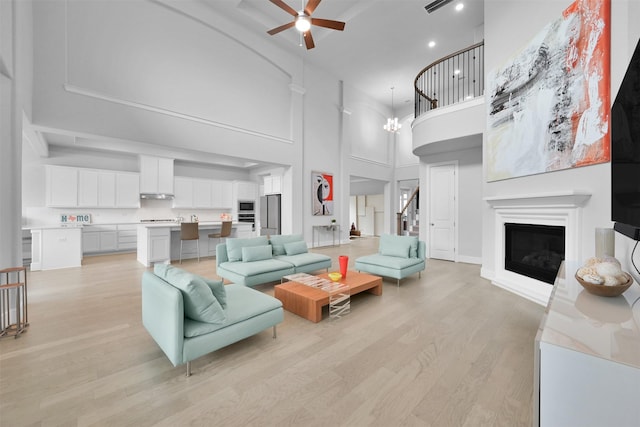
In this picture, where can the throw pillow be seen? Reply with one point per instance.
(295, 248)
(395, 246)
(256, 253)
(278, 241)
(234, 246)
(199, 302)
(218, 289)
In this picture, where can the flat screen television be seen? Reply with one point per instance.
(625, 152)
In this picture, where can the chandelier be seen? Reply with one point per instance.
(392, 124)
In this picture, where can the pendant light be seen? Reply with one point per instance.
(392, 124)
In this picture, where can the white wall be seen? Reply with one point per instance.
(105, 71)
(505, 33)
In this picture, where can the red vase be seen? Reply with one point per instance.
(344, 263)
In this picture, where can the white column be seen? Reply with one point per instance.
(15, 78)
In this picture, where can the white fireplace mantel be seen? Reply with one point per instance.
(572, 198)
(561, 208)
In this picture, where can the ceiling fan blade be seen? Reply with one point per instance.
(328, 23)
(281, 28)
(311, 6)
(282, 5)
(308, 40)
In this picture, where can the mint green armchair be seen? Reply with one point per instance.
(397, 257)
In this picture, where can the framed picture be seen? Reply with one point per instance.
(322, 193)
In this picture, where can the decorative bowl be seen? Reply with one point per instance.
(605, 291)
(335, 276)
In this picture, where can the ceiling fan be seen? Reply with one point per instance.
(303, 21)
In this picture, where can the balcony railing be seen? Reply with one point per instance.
(454, 78)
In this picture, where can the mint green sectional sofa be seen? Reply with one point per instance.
(397, 257)
(189, 316)
(257, 260)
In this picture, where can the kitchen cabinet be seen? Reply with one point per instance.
(195, 193)
(96, 188)
(156, 175)
(61, 186)
(272, 184)
(99, 238)
(90, 242)
(202, 193)
(243, 231)
(127, 236)
(106, 189)
(70, 187)
(245, 190)
(183, 196)
(87, 187)
(108, 238)
(154, 244)
(127, 190)
(222, 194)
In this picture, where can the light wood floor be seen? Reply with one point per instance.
(448, 349)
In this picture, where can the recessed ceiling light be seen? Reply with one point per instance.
(456, 72)
(459, 7)
(432, 43)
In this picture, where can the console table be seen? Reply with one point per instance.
(587, 357)
(318, 229)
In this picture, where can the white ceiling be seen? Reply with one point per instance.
(383, 45)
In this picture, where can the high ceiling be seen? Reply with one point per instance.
(384, 43)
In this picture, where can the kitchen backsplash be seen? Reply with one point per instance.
(149, 209)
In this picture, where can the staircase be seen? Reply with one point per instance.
(413, 228)
(408, 219)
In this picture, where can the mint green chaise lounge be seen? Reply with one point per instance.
(397, 257)
(189, 316)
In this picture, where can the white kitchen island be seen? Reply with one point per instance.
(56, 247)
(587, 357)
(160, 242)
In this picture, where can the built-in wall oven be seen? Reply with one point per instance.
(246, 212)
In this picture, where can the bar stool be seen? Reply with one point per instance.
(189, 231)
(15, 279)
(225, 231)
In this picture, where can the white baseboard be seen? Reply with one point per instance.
(539, 296)
(470, 259)
(487, 273)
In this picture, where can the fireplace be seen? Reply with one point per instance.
(534, 250)
(561, 209)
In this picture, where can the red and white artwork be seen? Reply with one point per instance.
(322, 193)
(550, 104)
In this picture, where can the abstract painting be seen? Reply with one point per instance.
(322, 193)
(549, 104)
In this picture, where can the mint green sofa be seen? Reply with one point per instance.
(257, 260)
(397, 257)
(189, 316)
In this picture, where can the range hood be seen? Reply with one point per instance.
(156, 196)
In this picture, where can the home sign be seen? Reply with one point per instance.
(75, 219)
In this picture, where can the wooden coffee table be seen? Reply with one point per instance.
(307, 302)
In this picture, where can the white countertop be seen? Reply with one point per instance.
(54, 227)
(200, 224)
(605, 327)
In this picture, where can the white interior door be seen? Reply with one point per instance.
(442, 211)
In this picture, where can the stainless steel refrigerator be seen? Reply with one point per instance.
(270, 215)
